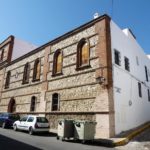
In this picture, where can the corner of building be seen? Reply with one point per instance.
(105, 122)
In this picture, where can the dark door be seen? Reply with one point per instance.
(12, 106)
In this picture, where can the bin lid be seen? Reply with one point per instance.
(85, 121)
(65, 119)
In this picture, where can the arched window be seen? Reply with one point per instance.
(36, 70)
(7, 80)
(55, 102)
(26, 74)
(57, 62)
(33, 103)
(83, 53)
(12, 106)
(2, 55)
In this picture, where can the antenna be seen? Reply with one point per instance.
(112, 8)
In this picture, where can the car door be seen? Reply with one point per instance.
(1, 115)
(4, 117)
(30, 122)
(22, 123)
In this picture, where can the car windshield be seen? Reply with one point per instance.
(14, 117)
(42, 120)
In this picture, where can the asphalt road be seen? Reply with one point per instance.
(11, 140)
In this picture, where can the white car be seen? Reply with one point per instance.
(32, 123)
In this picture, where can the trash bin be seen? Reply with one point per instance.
(84, 130)
(65, 129)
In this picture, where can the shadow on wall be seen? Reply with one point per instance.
(8, 144)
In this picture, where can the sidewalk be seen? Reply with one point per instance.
(122, 138)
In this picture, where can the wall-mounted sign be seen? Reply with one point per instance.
(118, 90)
(130, 102)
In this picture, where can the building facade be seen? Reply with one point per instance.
(89, 73)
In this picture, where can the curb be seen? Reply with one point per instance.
(130, 136)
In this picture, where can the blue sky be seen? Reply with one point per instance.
(39, 21)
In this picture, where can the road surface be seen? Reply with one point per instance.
(11, 140)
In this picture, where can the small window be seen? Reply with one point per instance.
(83, 53)
(36, 70)
(42, 120)
(24, 119)
(140, 89)
(137, 60)
(14, 116)
(55, 102)
(5, 115)
(127, 64)
(148, 95)
(26, 74)
(2, 55)
(146, 73)
(57, 63)
(33, 103)
(7, 80)
(117, 57)
(30, 119)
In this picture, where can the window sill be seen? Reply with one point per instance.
(83, 67)
(127, 70)
(6, 87)
(35, 80)
(117, 64)
(55, 110)
(57, 74)
(25, 82)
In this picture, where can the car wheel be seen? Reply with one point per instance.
(57, 137)
(31, 131)
(15, 127)
(4, 125)
(83, 141)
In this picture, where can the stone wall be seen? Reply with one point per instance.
(79, 90)
(53, 119)
(7, 47)
(1, 81)
(22, 93)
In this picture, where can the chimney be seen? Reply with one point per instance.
(96, 15)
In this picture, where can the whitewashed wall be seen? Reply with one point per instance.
(21, 47)
(127, 115)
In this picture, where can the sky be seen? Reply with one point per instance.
(40, 21)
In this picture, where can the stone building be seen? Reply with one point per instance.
(70, 77)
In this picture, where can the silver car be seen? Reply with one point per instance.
(32, 124)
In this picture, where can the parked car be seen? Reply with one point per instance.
(32, 124)
(7, 119)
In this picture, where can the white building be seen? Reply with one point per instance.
(131, 76)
